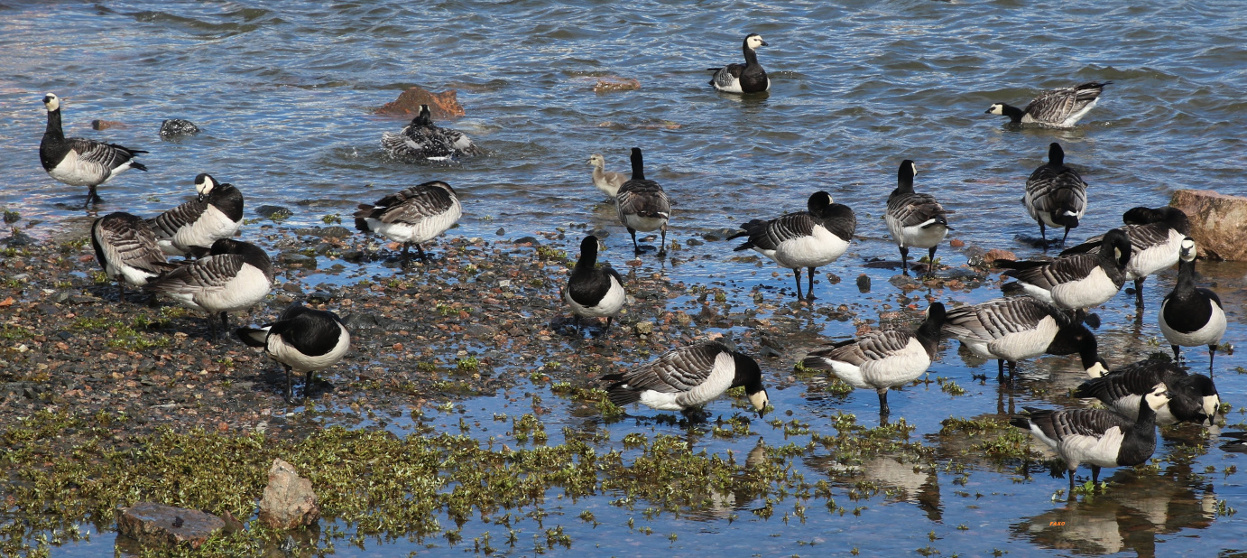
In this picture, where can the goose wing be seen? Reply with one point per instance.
(1056, 105)
(168, 223)
(727, 75)
(996, 318)
(913, 209)
(412, 204)
(104, 156)
(642, 197)
(676, 371)
(768, 235)
(873, 346)
(122, 237)
(212, 272)
(1050, 189)
(1050, 274)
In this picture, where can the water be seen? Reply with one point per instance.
(285, 99)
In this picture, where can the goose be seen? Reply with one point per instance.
(1056, 195)
(914, 219)
(1077, 281)
(1060, 108)
(1097, 437)
(302, 340)
(1191, 316)
(592, 291)
(81, 161)
(811, 238)
(642, 204)
(412, 216)
(126, 248)
(191, 228)
(685, 378)
(746, 78)
(422, 139)
(607, 182)
(233, 276)
(883, 359)
(1020, 327)
(1192, 397)
(1155, 240)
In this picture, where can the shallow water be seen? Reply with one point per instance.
(285, 100)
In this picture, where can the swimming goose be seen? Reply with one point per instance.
(412, 216)
(1191, 316)
(1097, 437)
(686, 378)
(1192, 397)
(592, 291)
(191, 228)
(126, 248)
(1055, 107)
(811, 238)
(302, 340)
(1077, 281)
(746, 78)
(422, 139)
(914, 219)
(81, 161)
(1021, 327)
(233, 276)
(607, 182)
(642, 204)
(1055, 194)
(883, 359)
(1155, 240)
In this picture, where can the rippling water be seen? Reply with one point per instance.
(285, 99)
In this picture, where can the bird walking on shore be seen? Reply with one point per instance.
(1191, 316)
(1155, 241)
(126, 248)
(914, 219)
(81, 161)
(592, 291)
(686, 378)
(1078, 281)
(302, 340)
(1056, 195)
(233, 276)
(642, 204)
(412, 216)
(809, 239)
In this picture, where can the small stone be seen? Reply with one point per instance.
(274, 212)
(644, 328)
(501, 231)
(288, 500)
(176, 128)
(106, 124)
(863, 283)
(997, 254)
(157, 524)
(957, 243)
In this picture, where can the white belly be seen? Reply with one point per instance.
(208, 228)
(422, 231)
(1093, 290)
(819, 249)
(303, 363)
(644, 224)
(610, 304)
(1210, 334)
(244, 290)
(1025, 344)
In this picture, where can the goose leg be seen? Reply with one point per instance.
(1044, 236)
(1177, 353)
(883, 403)
(1013, 366)
(1212, 353)
(608, 324)
(905, 260)
(289, 387)
(406, 254)
(307, 384)
(931, 262)
(1000, 372)
(1071, 485)
(796, 273)
(420, 253)
(1095, 476)
(121, 291)
(1064, 237)
(1138, 293)
(662, 247)
(809, 293)
(636, 248)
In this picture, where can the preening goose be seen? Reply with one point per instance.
(592, 291)
(642, 204)
(607, 182)
(412, 216)
(1077, 281)
(1055, 195)
(81, 161)
(126, 248)
(686, 378)
(743, 78)
(1061, 108)
(1020, 327)
(192, 228)
(302, 340)
(1155, 241)
(809, 239)
(1191, 316)
(422, 139)
(914, 219)
(233, 276)
(1192, 397)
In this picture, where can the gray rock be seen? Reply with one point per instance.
(288, 500)
(274, 212)
(157, 524)
(863, 283)
(295, 259)
(176, 128)
(335, 231)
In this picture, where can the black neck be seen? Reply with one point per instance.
(929, 335)
(53, 131)
(751, 55)
(1186, 279)
(587, 263)
(638, 165)
(1014, 113)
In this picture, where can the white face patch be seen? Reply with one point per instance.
(997, 109)
(1158, 398)
(759, 400)
(205, 186)
(52, 102)
(1097, 370)
(913, 169)
(1117, 254)
(755, 42)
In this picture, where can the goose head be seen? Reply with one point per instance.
(749, 375)
(204, 184)
(1056, 155)
(597, 160)
(1118, 244)
(52, 102)
(1187, 251)
(425, 118)
(818, 203)
(997, 109)
(753, 41)
(1159, 397)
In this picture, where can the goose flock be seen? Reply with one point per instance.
(1048, 312)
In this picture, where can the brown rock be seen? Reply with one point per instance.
(998, 254)
(106, 124)
(157, 524)
(442, 105)
(1218, 223)
(611, 84)
(956, 243)
(288, 500)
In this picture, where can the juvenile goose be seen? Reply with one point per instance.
(1077, 281)
(412, 216)
(191, 228)
(126, 248)
(422, 139)
(914, 219)
(302, 340)
(811, 238)
(1190, 316)
(81, 161)
(1055, 107)
(235, 275)
(592, 291)
(1192, 397)
(1021, 327)
(642, 204)
(746, 78)
(1155, 240)
(1097, 437)
(883, 359)
(1055, 195)
(607, 182)
(686, 378)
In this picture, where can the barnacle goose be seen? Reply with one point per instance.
(1191, 316)
(743, 78)
(1155, 240)
(914, 219)
(81, 161)
(810, 238)
(607, 182)
(1097, 437)
(1021, 327)
(1055, 195)
(642, 204)
(883, 359)
(191, 228)
(1077, 281)
(1192, 397)
(592, 291)
(302, 340)
(126, 248)
(233, 276)
(412, 216)
(686, 378)
(1055, 107)
(422, 139)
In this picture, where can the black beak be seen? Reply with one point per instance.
(764, 43)
(988, 111)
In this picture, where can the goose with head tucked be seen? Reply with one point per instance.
(1059, 108)
(592, 291)
(302, 340)
(81, 161)
(1155, 241)
(1021, 327)
(192, 228)
(1076, 281)
(686, 378)
(1192, 397)
(233, 276)
(424, 140)
(914, 219)
(412, 216)
(1056, 195)
(809, 239)
(126, 248)
(642, 205)
(743, 78)
(1191, 316)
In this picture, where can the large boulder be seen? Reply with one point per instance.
(288, 500)
(442, 106)
(1218, 223)
(157, 524)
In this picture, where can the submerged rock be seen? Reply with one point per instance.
(1218, 223)
(157, 524)
(176, 128)
(288, 501)
(442, 105)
